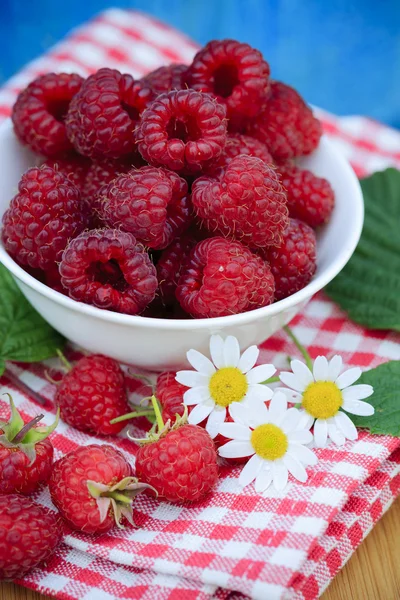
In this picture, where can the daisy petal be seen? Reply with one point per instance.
(320, 368)
(295, 468)
(357, 392)
(215, 420)
(192, 378)
(235, 431)
(196, 395)
(291, 396)
(248, 359)
(250, 470)
(302, 372)
(263, 480)
(348, 377)
(200, 362)
(217, 351)
(280, 475)
(260, 373)
(346, 425)
(257, 414)
(290, 420)
(358, 407)
(199, 413)
(239, 412)
(277, 408)
(320, 433)
(231, 351)
(236, 449)
(336, 435)
(302, 453)
(300, 436)
(258, 393)
(334, 368)
(292, 381)
(305, 420)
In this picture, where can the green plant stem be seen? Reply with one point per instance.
(63, 359)
(157, 412)
(132, 415)
(274, 379)
(299, 346)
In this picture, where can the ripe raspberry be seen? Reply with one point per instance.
(245, 201)
(237, 144)
(224, 278)
(39, 112)
(87, 486)
(150, 202)
(29, 533)
(26, 455)
(235, 73)
(52, 278)
(103, 116)
(109, 269)
(310, 198)
(170, 265)
(286, 125)
(170, 394)
(181, 465)
(74, 167)
(42, 217)
(294, 262)
(165, 79)
(182, 130)
(93, 393)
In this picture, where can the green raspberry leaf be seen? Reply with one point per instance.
(385, 380)
(368, 288)
(24, 334)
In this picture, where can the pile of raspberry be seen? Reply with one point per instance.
(173, 196)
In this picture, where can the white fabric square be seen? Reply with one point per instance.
(213, 514)
(258, 520)
(56, 583)
(267, 591)
(351, 470)
(187, 541)
(166, 512)
(328, 496)
(310, 525)
(368, 448)
(287, 557)
(235, 549)
(348, 342)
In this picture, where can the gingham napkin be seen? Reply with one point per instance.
(287, 545)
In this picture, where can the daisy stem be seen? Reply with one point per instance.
(270, 380)
(157, 412)
(299, 347)
(64, 360)
(132, 415)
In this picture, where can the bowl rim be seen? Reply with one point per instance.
(345, 252)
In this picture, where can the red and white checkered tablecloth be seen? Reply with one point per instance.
(236, 543)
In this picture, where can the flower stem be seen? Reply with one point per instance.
(27, 427)
(132, 415)
(157, 412)
(270, 380)
(299, 346)
(32, 395)
(143, 378)
(64, 360)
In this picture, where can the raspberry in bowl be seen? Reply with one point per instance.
(232, 231)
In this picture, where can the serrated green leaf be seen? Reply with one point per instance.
(368, 288)
(385, 380)
(24, 334)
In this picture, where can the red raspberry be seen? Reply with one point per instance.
(74, 167)
(182, 130)
(39, 112)
(109, 269)
(310, 198)
(87, 485)
(170, 394)
(92, 394)
(42, 217)
(235, 73)
(237, 144)
(165, 79)
(26, 455)
(170, 265)
(245, 201)
(181, 465)
(151, 203)
(224, 278)
(103, 116)
(29, 534)
(294, 262)
(52, 279)
(286, 125)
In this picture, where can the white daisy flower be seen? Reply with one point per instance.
(324, 394)
(218, 384)
(273, 437)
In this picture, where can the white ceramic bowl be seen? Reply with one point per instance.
(160, 343)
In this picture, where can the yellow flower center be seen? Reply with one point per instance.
(269, 441)
(228, 385)
(322, 399)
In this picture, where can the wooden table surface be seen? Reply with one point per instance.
(373, 573)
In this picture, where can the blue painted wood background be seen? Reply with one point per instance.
(343, 55)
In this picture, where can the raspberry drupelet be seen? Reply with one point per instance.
(170, 266)
(74, 166)
(239, 144)
(103, 116)
(182, 131)
(245, 201)
(152, 203)
(235, 73)
(170, 394)
(165, 79)
(222, 278)
(286, 125)
(39, 112)
(45, 214)
(109, 269)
